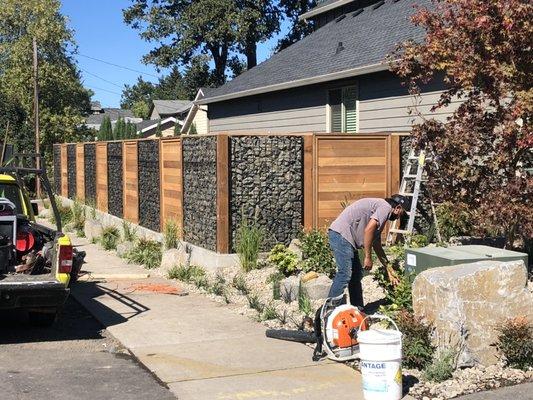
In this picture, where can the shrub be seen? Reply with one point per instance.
(92, 207)
(186, 273)
(218, 287)
(239, 283)
(317, 254)
(442, 367)
(110, 238)
(285, 260)
(248, 243)
(417, 348)
(146, 252)
(304, 302)
(78, 217)
(130, 232)
(275, 279)
(269, 313)
(65, 213)
(171, 235)
(454, 220)
(515, 342)
(255, 303)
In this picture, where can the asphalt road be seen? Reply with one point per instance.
(74, 359)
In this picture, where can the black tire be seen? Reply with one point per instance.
(291, 336)
(42, 319)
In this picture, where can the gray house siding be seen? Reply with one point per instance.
(384, 104)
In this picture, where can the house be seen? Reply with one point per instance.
(336, 79)
(98, 113)
(197, 120)
(166, 127)
(162, 109)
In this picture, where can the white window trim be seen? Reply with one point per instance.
(343, 111)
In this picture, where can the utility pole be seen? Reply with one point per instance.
(36, 116)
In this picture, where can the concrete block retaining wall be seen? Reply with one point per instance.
(149, 204)
(266, 175)
(90, 172)
(200, 191)
(71, 170)
(115, 179)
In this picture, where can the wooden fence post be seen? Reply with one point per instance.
(171, 170)
(130, 181)
(101, 176)
(308, 182)
(223, 231)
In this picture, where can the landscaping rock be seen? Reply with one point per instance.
(296, 248)
(466, 303)
(124, 248)
(318, 288)
(92, 229)
(290, 288)
(172, 258)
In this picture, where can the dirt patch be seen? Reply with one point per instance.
(157, 288)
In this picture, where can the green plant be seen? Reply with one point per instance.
(416, 241)
(304, 302)
(416, 345)
(146, 252)
(218, 287)
(442, 366)
(185, 273)
(285, 260)
(269, 313)
(317, 255)
(110, 238)
(515, 342)
(91, 203)
(248, 243)
(239, 283)
(255, 303)
(78, 217)
(275, 279)
(129, 231)
(65, 213)
(171, 235)
(454, 219)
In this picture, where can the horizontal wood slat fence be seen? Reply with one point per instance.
(285, 181)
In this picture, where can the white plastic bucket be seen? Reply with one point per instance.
(381, 362)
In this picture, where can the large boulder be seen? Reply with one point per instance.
(318, 288)
(92, 229)
(467, 303)
(289, 288)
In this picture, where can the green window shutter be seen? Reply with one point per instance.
(335, 104)
(349, 100)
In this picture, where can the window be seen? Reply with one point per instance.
(12, 193)
(343, 109)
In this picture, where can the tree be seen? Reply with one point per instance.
(158, 132)
(482, 51)
(292, 9)
(63, 100)
(137, 97)
(106, 129)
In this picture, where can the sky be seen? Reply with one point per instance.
(101, 33)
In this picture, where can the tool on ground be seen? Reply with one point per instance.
(336, 326)
(414, 182)
(381, 361)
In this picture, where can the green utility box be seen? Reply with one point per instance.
(418, 260)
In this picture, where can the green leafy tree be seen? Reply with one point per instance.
(63, 99)
(482, 49)
(292, 9)
(106, 129)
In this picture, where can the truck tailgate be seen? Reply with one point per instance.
(26, 291)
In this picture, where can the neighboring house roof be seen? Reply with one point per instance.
(96, 107)
(170, 107)
(150, 124)
(352, 45)
(202, 92)
(113, 113)
(323, 6)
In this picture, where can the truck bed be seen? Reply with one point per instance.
(30, 291)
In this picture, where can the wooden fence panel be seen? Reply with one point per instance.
(171, 167)
(80, 171)
(131, 182)
(101, 176)
(348, 169)
(64, 171)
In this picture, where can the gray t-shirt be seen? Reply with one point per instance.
(351, 223)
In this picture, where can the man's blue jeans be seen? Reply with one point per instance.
(349, 269)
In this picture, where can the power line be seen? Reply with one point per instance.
(118, 66)
(103, 79)
(105, 90)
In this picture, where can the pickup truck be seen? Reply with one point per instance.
(35, 261)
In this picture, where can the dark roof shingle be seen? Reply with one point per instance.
(367, 38)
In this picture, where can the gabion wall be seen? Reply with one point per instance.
(90, 172)
(57, 169)
(149, 204)
(266, 175)
(200, 191)
(71, 170)
(114, 179)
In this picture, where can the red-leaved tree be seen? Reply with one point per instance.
(482, 50)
